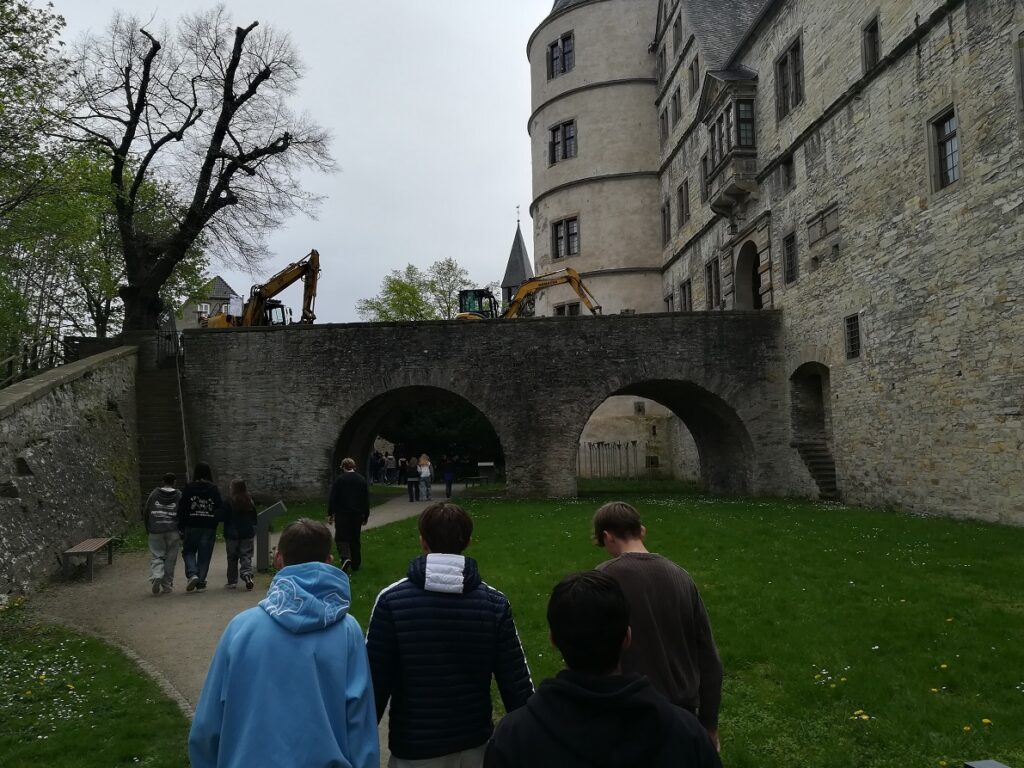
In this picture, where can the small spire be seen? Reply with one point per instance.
(517, 215)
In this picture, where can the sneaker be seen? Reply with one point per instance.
(346, 565)
(166, 588)
(156, 586)
(248, 583)
(193, 581)
(200, 587)
(231, 585)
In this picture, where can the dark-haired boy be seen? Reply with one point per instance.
(160, 517)
(434, 641)
(289, 683)
(198, 516)
(672, 640)
(591, 714)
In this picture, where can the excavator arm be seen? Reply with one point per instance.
(307, 269)
(539, 283)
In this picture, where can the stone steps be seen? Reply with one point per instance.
(819, 462)
(161, 441)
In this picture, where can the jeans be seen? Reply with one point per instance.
(239, 558)
(164, 549)
(425, 488)
(346, 536)
(413, 486)
(197, 551)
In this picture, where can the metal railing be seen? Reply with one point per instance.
(33, 358)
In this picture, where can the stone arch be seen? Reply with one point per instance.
(747, 278)
(724, 447)
(362, 426)
(809, 391)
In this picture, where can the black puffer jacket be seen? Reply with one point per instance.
(434, 640)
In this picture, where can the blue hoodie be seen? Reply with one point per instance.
(289, 683)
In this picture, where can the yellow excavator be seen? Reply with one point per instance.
(481, 304)
(263, 309)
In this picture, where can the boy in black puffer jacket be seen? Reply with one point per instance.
(434, 641)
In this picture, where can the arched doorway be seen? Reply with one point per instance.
(723, 445)
(747, 278)
(811, 423)
(421, 419)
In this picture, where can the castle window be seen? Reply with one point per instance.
(639, 408)
(677, 34)
(561, 56)
(565, 235)
(704, 179)
(666, 222)
(790, 262)
(852, 327)
(661, 65)
(787, 173)
(652, 462)
(562, 145)
(670, 303)
(693, 72)
(823, 224)
(663, 123)
(677, 109)
(686, 296)
(570, 309)
(745, 136)
(947, 146)
(712, 284)
(728, 125)
(684, 202)
(871, 44)
(789, 80)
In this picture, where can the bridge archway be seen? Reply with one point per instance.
(724, 446)
(375, 416)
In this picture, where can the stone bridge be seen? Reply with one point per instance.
(281, 406)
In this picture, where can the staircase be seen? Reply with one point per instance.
(161, 435)
(819, 462)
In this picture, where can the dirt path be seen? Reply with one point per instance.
(173, 635)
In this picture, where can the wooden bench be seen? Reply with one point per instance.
(88, 548)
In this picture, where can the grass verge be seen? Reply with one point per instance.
(68, 700)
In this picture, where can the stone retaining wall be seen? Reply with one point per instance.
(68, 463)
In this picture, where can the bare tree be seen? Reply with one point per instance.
(204, 109)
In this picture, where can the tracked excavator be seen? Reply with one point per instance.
(263, 309)
(481, 304)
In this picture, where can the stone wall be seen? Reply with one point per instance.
(281, 406)
(928, 418)
(68, 466)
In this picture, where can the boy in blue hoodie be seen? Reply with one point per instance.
(289, 683)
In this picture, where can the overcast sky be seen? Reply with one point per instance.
(428, 102)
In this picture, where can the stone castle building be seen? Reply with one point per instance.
(858, 166)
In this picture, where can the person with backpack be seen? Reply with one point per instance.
(160, 517)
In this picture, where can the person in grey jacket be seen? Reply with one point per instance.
(159, 515)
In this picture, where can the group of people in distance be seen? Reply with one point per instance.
(293, 682)
(416, 473)
(188, 519)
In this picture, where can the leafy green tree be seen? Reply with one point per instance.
(412, 294)
(203, 109)
(403, 296)
(30, 65)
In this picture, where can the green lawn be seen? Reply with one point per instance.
(71, 700)
(850, 638)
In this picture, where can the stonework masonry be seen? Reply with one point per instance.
(281, 406)
(924, 411)
(68, 467)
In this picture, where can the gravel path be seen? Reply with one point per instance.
(172, 636)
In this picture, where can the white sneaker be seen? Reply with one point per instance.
(192, 582)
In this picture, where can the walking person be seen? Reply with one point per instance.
(160, 516)
(412, 479)
(239, 534)
(390, 468)
(672, 644)
(199, 511)
(289, 684)
(426, 473)
(448, 475)
(436, 638)
(349, 509)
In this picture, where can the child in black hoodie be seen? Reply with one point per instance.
(199, 511)
(239, 534)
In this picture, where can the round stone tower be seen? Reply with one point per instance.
(594, 138)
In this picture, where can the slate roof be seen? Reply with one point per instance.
(561, 5)
(720, 26)
(218, 289)
(519, 267)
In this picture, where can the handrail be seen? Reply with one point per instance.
(181, 409)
